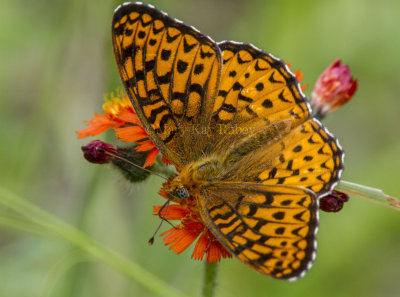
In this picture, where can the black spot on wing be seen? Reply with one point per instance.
(260, 86)
(165, 54)
(267, 103)
(198, 69)
(149, 65)
(182, 66)
(128, 32)
(141, 34)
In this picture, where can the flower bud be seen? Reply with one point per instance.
(333, 202)
(96, 152)
(334, 87)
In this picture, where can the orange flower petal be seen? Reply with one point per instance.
(132, 133)
(163, 193)
(145, 146)
(151, 157)
(128, 115)
(201, 246)
(91, 131)
(171, 212)
(194, 226)
(216, 251)
(97, 125)
(180, 239)
(299, 75)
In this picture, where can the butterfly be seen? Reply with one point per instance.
(235, 123)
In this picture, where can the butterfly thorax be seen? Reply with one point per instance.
(194, 177)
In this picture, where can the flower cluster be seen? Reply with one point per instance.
(120, 116)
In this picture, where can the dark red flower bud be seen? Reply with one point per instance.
(96, 152)
(333, 202)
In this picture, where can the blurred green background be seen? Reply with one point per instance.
(56, 65)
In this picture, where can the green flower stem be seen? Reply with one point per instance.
(371, 194)
(47, 223)
(210, 275)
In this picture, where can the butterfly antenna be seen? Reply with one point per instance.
(101, 150)
(163, 219)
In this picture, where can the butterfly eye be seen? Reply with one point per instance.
(182, 193)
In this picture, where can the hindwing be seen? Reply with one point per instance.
(269, 228)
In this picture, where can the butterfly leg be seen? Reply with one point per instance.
(161, 216)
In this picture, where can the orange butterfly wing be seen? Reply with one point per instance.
(269, 228)
(232, 104)
(170, 72)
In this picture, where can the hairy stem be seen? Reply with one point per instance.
(210, 275)
(371, 194)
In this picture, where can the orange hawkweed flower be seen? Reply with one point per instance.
(192, 227)
(122, 118)
(114, 107)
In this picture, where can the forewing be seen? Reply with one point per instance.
(257, 90)
(270, 228)
(171, 73)
(255, 84)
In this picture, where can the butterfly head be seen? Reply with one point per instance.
(176, 189)
(182, 193)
